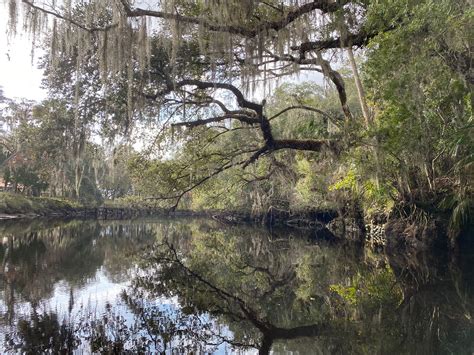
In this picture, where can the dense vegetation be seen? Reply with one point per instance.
(198, 104)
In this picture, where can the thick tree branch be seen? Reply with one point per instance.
(244, 103)
(326, 6)
(358, 39)
(312, 145)
(196, 123)
(260, 119)
(338, 81)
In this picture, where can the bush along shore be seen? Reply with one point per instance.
(394, 231)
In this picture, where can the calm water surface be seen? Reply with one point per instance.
(195, 286)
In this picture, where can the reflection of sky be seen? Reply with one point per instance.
(92, 298)
(95, 293)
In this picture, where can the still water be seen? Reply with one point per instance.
(185, 286)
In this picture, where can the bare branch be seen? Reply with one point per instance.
(179, 196)
(196, 123)
(225, 86)
(303, 107)
(256, 156)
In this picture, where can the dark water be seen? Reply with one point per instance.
(195, 286)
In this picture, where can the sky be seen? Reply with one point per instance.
(18, 76)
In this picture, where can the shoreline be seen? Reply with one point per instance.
(376, 231)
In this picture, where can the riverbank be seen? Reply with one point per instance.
(16, 206)
(378, 231)
(325, 224)
(409, 233)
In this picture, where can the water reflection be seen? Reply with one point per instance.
(195, 286)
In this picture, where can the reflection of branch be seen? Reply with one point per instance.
(249, 313)
(269, 331)
(274, 282)
(139, 311)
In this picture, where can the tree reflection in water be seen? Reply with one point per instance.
(199, 286)
(284, 293)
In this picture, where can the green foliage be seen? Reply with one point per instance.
(419, 82)
(415, 146)
(348, 293)
(285, 180)
(371, 290)
(348, 182)
(49, 153)
(462, 211)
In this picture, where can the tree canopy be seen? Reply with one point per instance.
(389, 122)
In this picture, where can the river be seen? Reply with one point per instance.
(180, 286)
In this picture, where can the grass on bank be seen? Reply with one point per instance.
(13, 204)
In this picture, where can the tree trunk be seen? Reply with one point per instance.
(365, 111)
(78, 175)
(360, 88)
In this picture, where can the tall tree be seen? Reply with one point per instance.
(197, 65)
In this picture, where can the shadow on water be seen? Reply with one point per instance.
(196, 286)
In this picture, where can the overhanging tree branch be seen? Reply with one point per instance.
(192, 124)
(326, 6)
(357, 39)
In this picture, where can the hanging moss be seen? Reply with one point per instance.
(12, 17)
(103, 27)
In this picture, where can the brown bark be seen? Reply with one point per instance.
(257, 118)
(350, 40)
(338, 81)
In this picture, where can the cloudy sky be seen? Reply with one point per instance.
(18, 76)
